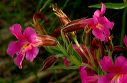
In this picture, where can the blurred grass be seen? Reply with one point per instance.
(21, 11)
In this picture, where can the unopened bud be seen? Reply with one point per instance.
(49, 62)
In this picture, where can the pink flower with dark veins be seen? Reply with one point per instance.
(25, 46)
(125, 40)
(99, 24)
(114, 72)
(27, 43)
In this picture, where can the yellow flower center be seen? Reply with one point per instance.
(26, 46)
(99, 26)
(116, 78)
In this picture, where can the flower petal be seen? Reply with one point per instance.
(99, 13)
(85, 78)
(123, 79)
(83, 74)
(125, 40)
(18, 60)
(120, 60)
(13, 48)
(103, 8)
(105, 79)
(121, 65)
(96, 14)
(31, 54)
(30, 34)
(106, 64)
(16, 30)
(106, 23)
(98, 34)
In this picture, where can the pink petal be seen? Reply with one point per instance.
(16, 30)
(13, 48)
(123, 78)
(92, 79)
(98, 34)
(105, 79)
(106, 32)
(121, 65)
(96, 14)
(120, 60)
(85, 78)
(99, 13)
(18, 60)
(83, 74)
(31, 54)
(106, 64)
(106, 23)
(30, 34)
(103, 8)
(125, 40)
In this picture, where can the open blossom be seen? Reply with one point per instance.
(99, 24)
(115, 72)
(26, 45)
(125, 41)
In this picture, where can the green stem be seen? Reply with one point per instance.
(123, 25)
(91, 59)
(65, 4)
(46, 3)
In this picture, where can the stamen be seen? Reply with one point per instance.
(99, 26)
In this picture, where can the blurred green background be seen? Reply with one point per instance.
(22, 11)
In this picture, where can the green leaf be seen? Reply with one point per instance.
(75, 60)
(110, 6)
(2, 80)
(77, 56)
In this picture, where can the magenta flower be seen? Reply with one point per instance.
(99, 24)
(85, 77)
(25, 46)
(125, 40)
(115, 72)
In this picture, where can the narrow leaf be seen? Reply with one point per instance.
(110, 6)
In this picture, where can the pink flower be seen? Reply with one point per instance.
(115, 72)
(99, 24)
(125, 40)
(85, 77)
(25, 46)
